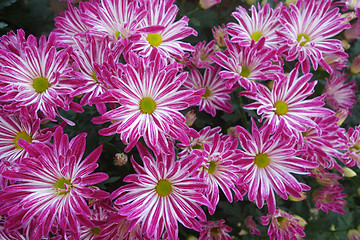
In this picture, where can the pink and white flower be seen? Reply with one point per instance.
(216, 94)
(215, 231)
(38, 78)
(287, 102)
(340, 95)
(330, 198)
(150, 103)
(283, 226)
(309, 27)
(269, 160)
(261, 26)
(162, 193)
(52, 185)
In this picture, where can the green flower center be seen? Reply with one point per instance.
(22, 135)
(118, 34)
(282, 221)
(60, 185)
(154, 39)
(211, 167)
(256, 36)
(198, 146)
(40, 84)
(245, 72)
(262, 160)
(207, 93)
(163, 187)
(147, 105)
(214, 232)
(94, 77)
(96, 231)
(303, 39)
(281, 108)
(356, 147)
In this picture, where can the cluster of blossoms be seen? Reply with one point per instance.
(129, 59)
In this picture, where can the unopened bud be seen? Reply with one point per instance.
(190, 118)
(348, 172)
(233, 133)
(206, 4)
(302, 222)
(295, 199)
(355, 66)
(342, 115)
(120, 159)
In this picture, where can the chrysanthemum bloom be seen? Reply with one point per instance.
(251, 225)
(206, 4)
(23, 126)
(201, 56)
(309, 26)
(37, 78)
(330, 198)
(283, 226)
(337, 61)
(287, 102)
(340, 95)
(215, 231)
(352, 154)
(216, 95)
(219, 168)
(246, 64)
(324, 143)
(161, 194)
(88, 58)
(150, 103)
(162, 14)
(52, 186)
(220, 34)
(261, 26)
(353, 234)
(206, 136)
(12, 42)
(69, 25)
(270, 161)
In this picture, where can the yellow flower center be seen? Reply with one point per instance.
(40, 84)
(207, 93)
(282, 221)
(303, 39)
(262, 160)
(245, 72)
(163, 187)
(154, 39)
(94, 77)
(256, 36)
(147, 105)
(212, 166)
(281, 108)
(60, 186)
(96, 231)
(22, 135)
(214, 232)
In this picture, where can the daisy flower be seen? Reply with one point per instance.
(261, 26)
(70, 26)
(287, 101)
(352, 154)
(324, 146)
(23, 126)
(162, 193)
(117, 19)
(309, 26)
(167, 38)
(246, 64)
(269, 161)
(219, 168)
(88, 59)
(150, 103)
(216, 94)
(38, 78)
(283, 225)
(215, 231)
(52, 185)
(251, 225)
(205, 136)
(330, 198)
(201, 56)
(220, 33)
(338, 94)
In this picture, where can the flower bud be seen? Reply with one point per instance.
(348, 172)
(120, 159)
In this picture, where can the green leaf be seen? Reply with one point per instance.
(6, 3)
